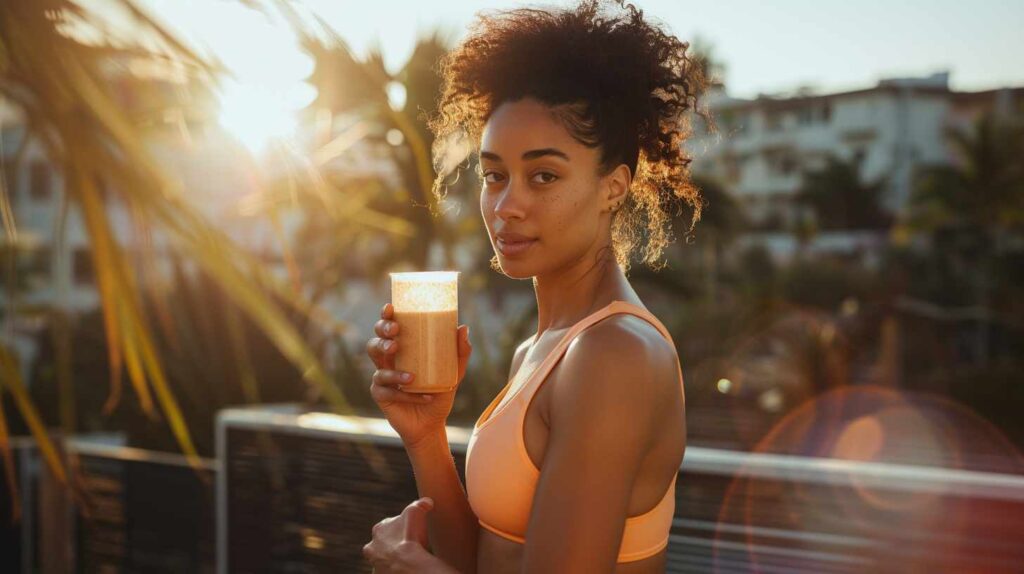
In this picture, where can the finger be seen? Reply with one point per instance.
(465, 347)
(373, 349)
(388, 311)
(385, 328)
(392, 378)
(382, 352)
(423, 503)
(381, 394)
(369, 552)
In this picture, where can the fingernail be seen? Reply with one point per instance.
(388, 345)
(406, 377)
(428, 500)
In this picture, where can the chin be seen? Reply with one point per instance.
(509, 268)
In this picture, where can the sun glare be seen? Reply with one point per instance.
(258, 114)
(267, 69)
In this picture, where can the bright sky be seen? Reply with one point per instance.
(766, 46)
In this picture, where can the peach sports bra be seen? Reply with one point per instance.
(501, 478)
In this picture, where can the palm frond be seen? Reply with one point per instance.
(11, 380)
(5, 451)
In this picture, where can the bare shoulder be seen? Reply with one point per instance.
(624, 358)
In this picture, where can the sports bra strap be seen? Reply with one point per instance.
(613, 308)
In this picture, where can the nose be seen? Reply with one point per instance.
(511, 202)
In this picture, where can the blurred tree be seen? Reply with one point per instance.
(722, 221)
(70, 72)
(392, 107)
(216, 357)
(395, 128)
(841, 200)
(974, 209)
(981, 195)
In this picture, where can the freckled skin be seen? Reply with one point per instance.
(563, 209)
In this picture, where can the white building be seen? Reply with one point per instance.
(49, 272)
(765, 144)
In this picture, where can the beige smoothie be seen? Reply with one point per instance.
(428, 348)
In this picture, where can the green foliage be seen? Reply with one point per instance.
(841, 200)
(825, 282)
(206, 365)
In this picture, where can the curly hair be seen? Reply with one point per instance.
(616, 81)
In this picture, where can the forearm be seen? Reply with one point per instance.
(452, 526)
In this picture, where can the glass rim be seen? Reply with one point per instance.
(425, 276)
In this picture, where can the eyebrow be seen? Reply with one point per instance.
(532, 154)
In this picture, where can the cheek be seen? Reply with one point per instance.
(486, 209)
(569, 215)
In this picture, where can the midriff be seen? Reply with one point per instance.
(497, 555)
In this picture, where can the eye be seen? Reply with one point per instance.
(544, 177)
(492, 177)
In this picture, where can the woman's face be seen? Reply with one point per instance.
(542, 186)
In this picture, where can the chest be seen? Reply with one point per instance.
(536, 422)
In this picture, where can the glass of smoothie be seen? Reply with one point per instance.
(426, 305)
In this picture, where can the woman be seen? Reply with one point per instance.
(578, 117)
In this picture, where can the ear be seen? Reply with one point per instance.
(616, 186)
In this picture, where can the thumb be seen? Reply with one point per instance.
(465, 347)
(416, 522)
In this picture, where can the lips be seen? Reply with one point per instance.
(512, 244)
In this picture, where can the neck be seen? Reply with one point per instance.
(567, 295)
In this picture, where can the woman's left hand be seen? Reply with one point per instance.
(399, 542)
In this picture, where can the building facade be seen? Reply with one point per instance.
(764, 146)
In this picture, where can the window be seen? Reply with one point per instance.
(83, 273)
(858, 155)
(772, 121)
(39, 263)
(41, 180)
(732, 169)
(813, 114)
(773, 220)
(787, 164)
(781, 161)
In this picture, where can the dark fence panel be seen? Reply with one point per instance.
(148, 511)
(302, 492)
(18, 550)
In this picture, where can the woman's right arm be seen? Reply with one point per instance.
(419, 419)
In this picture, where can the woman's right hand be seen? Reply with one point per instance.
(414, 416)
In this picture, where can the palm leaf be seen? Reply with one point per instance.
(106, 259)
(11, 379)
(5, 450)
(60, 88)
